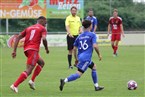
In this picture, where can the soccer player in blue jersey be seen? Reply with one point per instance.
(93, 19)
(84, 44)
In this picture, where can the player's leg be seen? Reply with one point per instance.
(70, 58)
(38, 69)
(70, 48)
(82, 67)
(118, 38)
(31, 62)
(116, 47)
(92, 66)
(36, 72)
(76, 62)
(70, 78)
(112, 40)
(112, 44)
(94, 75)
(22, 77)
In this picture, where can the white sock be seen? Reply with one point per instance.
(65, 80)
(96, 84)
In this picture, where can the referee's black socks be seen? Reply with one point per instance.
(69, 59)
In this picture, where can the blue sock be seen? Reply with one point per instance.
(73, 77)
(94, 76)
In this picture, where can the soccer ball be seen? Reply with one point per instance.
(132, 85)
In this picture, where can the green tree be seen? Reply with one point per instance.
(131, 13)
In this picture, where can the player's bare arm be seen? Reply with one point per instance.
(108, 30)
(122, 30)
(16, 45)
(97, 50)
(68, 31)
(45, 43)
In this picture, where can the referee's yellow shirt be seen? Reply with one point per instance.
(74, 24)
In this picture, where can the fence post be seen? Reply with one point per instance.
(7, 26)
(0, 27)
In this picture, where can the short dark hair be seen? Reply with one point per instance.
(90, 9)
(73, 7)
(86, 23)
(41, 17)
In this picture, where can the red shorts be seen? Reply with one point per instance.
(115, 37)
(32, 57)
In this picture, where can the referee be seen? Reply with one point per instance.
(73, 28)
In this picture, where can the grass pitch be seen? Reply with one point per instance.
(114, 73)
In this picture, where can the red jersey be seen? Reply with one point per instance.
(33, 35)
(115, 24)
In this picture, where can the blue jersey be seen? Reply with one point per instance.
(84, 43)
(94, 21)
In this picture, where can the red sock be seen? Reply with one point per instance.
(36, 72)
(115, 49)
(21, 78)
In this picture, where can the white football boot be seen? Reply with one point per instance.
(31, 84)
(13, 88)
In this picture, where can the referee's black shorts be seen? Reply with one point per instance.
(70, 42)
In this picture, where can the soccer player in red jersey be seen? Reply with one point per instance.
(115, 24)
(33, 36)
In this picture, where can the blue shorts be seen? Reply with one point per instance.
(83, 66)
